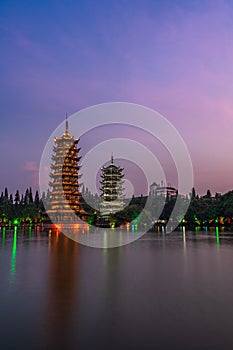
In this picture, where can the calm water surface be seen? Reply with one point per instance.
(160, 292)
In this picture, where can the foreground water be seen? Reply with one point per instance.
(163, 292)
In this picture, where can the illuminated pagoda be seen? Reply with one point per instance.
(64, 202)
(112, 189)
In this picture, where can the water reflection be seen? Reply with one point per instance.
(113, 269)
(30, 233)
(100, 237)
(3, 237)
(74, 297)
(217, 236)
(184, 239)
(62, 289)
(13, 255)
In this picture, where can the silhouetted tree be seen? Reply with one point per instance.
(6, 194)
(22, 200)
(26, 197)
(30, 197)
(11, 198)
(37, 199)
(193, 195)
(17, 197)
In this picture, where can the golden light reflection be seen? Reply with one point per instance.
(63, 290)
(58, 227)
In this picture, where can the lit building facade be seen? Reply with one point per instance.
(64, 201)
(160, 190)
(112, 189)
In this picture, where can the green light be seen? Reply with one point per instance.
(217, 236)
(13, 255)
(89, 220)
(30, 231)
(15, 222)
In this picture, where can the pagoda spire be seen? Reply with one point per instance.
(67, 126)
(112, 158)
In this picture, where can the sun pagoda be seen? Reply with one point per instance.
(64, 203)
(112, 189)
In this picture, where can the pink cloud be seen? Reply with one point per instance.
(31, 166)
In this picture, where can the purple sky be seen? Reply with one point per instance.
(173, 56)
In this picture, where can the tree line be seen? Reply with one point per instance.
(210, 210)
(206, 210)
(21, 208)
(28, 207)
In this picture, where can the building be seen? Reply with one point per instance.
(160, 190)
(112, 189)
(64, 199)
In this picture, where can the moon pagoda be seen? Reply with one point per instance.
(112, 189)
(64, 203)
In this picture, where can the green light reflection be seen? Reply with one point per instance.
(217, 236)
(13, 255)
(30, 232)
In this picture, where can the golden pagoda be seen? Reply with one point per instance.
(64, 203)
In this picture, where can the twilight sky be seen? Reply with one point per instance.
(61, 56)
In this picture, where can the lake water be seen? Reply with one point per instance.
(161, 292)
